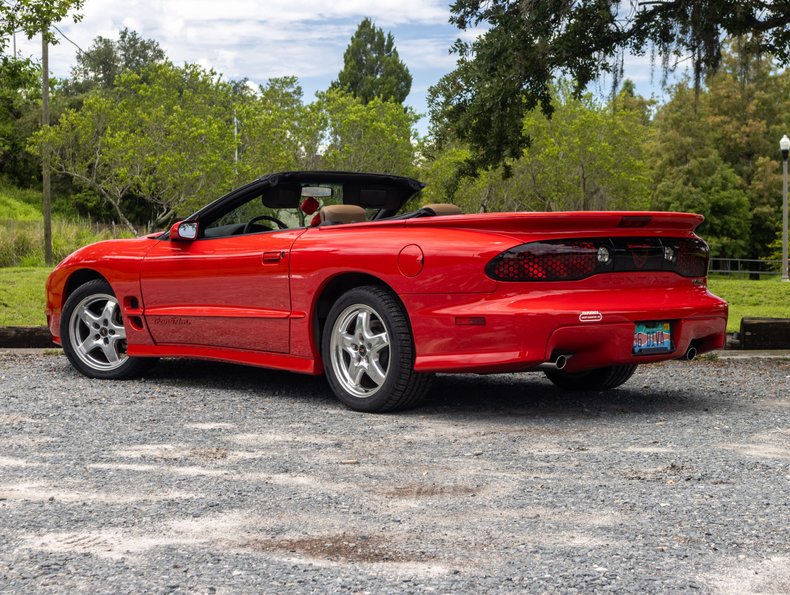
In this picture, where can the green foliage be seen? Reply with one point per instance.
(587, 156)
(374, 136)
(372, 67)
(507, 71)
(163, 135)
(20, 93)
(274, 130)
(34, 16)
(715, 149)
(107, 58)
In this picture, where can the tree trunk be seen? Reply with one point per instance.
(46, 205)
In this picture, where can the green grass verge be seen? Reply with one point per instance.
(22, 297)
(752, 299)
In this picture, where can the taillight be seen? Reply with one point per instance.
(572, 260)
(692, 258)
(552, 260)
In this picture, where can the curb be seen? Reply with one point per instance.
(25, 337)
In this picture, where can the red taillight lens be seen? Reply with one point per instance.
(571, 260)
(692, 258)
(565, 260)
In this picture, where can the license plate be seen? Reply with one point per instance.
(652, 337)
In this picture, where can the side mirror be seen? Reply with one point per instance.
(184, 230)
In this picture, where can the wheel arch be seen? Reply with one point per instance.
(78, 278)
(332, 289)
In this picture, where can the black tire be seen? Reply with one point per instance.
(110, 335)
(400, 387)
(598, 379)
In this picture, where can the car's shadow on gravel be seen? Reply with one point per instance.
(528, 395)
(531, 395)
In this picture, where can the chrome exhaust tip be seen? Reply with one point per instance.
(557, 363)
(691, 353)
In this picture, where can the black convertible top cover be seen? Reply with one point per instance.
(370, 191)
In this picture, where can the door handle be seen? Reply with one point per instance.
(273, 257)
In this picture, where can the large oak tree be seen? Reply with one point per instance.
(507, 69)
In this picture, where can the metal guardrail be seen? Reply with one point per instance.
(744, 266)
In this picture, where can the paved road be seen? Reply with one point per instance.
(213, 478)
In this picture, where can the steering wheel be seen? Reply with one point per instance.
(279, 223)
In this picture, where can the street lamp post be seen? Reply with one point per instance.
(784, 145)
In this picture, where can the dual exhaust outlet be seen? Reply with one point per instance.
(559, 362)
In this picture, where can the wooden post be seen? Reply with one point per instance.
(45, 181)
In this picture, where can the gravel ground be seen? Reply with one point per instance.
(213, 478)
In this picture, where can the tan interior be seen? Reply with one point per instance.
(334, 214)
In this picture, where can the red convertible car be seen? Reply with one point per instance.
(317, 272)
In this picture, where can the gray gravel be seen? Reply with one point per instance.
(213, 478)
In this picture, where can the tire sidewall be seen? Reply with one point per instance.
(400, 347)
(94, 287)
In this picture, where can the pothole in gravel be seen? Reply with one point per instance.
(343, 547)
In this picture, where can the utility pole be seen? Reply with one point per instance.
(46, 206)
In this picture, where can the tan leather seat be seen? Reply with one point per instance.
(334, 214)
(444, 209)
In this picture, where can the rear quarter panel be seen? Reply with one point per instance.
(453, 262)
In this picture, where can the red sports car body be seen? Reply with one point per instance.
(379, 301)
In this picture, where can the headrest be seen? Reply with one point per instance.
(444, 209)
(309, 205)
(334, 214)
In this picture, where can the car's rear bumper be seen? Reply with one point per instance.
(517, 330)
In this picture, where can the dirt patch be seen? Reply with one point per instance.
(343, 547)
(671, 473)
(428, 491)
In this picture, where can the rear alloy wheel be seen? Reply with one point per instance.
(93, 334)
(598, 379)
(369, 353)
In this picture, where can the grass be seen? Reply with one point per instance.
(22, 297)
(21, 204)
(752, 299)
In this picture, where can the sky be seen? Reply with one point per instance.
(305, 38)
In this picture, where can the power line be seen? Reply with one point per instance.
(63, 35)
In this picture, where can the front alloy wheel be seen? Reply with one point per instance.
(96, 332)
(368, 352)
(93, 334)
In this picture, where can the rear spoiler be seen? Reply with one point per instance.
(566, 221)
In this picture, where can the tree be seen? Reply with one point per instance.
(507, 70)
(375, 136)
(34, 17)
(107, 58)
(372, 67)
(690, 175)
(163, 135)
(587, 156)
(20, 93)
